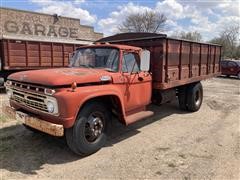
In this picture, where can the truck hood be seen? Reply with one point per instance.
(60, 76)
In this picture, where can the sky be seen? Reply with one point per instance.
(209, 17)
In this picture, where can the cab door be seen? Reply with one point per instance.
(137, 87)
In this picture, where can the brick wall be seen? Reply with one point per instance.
(31, 25)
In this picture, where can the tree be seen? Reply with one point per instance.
(148, 21)
(192, 36)
(229, 39)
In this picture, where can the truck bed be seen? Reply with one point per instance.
(174, 62)
(24, 55)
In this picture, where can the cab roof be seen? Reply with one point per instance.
(118, 46)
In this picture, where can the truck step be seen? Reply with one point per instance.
(138, 116)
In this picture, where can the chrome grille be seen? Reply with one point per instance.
(27, 87)
(32, 100)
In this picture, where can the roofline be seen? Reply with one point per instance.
(36, 40)
(198, 42)
(108, 45)
(34, 12)
(144, 38)
(160, 37)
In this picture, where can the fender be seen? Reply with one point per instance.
(104, 91)
(75, 100)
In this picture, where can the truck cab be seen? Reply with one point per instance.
(78, 101)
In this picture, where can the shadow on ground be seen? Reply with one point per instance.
(26, 152)
(2, 91)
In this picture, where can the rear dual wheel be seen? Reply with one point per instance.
(182, 98)
(190, 97)
(88, 134)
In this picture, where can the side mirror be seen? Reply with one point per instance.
(145, 60)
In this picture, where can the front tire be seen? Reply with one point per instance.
(88, 134)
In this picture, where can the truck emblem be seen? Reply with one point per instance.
(105, 78)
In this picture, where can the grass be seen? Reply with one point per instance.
(3, 118)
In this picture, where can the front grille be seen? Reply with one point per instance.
(32, 100)
(28, 87)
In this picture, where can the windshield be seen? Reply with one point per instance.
(107, 58)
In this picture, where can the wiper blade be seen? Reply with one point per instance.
(87, 66)
(109, 70)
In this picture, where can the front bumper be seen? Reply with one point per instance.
(34, 122)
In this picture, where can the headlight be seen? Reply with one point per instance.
(8, 83)
(50, 106)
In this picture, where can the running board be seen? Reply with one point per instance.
(138, 116)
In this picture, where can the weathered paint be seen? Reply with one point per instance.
(36, 123)
(23, 55)
(26, 25)
(173, 63)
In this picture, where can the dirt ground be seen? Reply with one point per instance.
(171, 145)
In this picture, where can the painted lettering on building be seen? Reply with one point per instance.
(38, 29)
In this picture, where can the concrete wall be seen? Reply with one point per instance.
(19, 24)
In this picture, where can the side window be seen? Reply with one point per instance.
(113, 60)
(232, 64)
(130, 63)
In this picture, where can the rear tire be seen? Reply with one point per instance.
(194, 97)
(182, 98)
(88, 134)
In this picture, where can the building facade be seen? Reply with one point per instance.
(26, 25)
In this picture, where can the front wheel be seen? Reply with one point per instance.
(238, 75)
(88, 134)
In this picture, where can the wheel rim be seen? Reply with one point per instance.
(198, 98)
(94, 126)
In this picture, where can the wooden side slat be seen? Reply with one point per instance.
(214, 59)
(8, 53)
(26, 50)
(40, 54)
(208, 53)
(200, 61)
(63, 54)
(190, 61)
(166, 63)
(52, 54)
(180, 62)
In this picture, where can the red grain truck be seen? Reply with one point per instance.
(120, 75)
